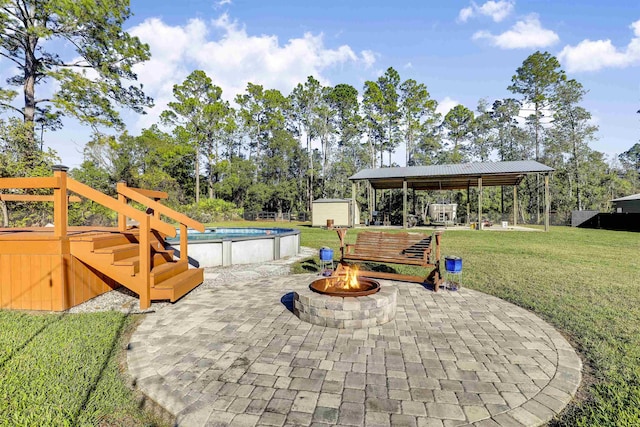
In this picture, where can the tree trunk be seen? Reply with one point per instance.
(5, 213)
(30, 70)
(576, 164)
(210, 179)
(310, 189)
(324, 168)
(257, 151)
(197, 174)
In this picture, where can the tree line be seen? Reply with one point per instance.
(269, 151)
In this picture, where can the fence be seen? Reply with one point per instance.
(277, 216)
(614, 221)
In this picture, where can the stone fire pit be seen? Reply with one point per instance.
(346, 312)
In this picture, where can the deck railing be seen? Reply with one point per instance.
(139, 195)
(62, 184)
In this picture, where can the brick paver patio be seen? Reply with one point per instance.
(234, 354)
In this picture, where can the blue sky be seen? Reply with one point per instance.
(461, 50)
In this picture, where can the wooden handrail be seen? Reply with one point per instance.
(41, 182)
(125, 193)
(158, 207)
(152, 194)
(33, 198)
(111, 203)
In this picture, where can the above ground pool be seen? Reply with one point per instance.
(219, 246)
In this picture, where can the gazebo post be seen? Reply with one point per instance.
(547, 204)
(353, 204)
(468, 203)
(404, 203)
(515, 205)
(413, 200)
(375, 201)
(480, 202)
(372, 200)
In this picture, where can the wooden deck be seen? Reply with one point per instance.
(56, 268)
(39, 271)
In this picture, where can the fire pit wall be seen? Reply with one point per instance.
(347, 312)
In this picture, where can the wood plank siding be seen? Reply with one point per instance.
(41, 274)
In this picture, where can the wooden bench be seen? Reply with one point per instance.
(395, 248)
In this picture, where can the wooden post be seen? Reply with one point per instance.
(370, 200)
(547, 203)
(479, 203)
(353, 204)
(145, 262)
(156, 214)
(60, 207)
(515, 204)
(438, 276)
(122, 219)
(413, 200)
(468, 203)
(404, 203)
(375, 202)
(183, 243)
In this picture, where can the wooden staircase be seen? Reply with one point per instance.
(66, 266)
(117, 255)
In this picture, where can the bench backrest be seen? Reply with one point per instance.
(407, 245)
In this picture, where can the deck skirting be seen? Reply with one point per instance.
(41, 274)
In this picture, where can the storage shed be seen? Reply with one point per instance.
(338, 210)
(628, 204)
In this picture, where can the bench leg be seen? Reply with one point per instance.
(435, 277)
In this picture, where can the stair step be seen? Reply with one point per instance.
(165, 271)
(116, 239)
(177, 286)
(90, 237)
(120, 251)
(131, 250)
(157, 260)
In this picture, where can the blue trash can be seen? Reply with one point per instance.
(453, 264)
(453, 268)
(326, 261)
(326, 254)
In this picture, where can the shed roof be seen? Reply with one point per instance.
(451, 176)
(331, 200)
(627, 198)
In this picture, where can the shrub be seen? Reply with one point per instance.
(211, 210)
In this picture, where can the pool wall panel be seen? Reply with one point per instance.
(252, 251)
(244, 250)
(288, 246)
(205, 255)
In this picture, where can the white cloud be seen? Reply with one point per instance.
(222, 3)
(408, 66)
(497, 10)
(445, 105)
(525, 34)
(232, 58)
(368, 57)
(465, 14)
(594, 55)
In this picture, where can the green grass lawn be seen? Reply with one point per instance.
(64, 369)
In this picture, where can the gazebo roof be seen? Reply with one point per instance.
(626, 198)
(451, 176)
